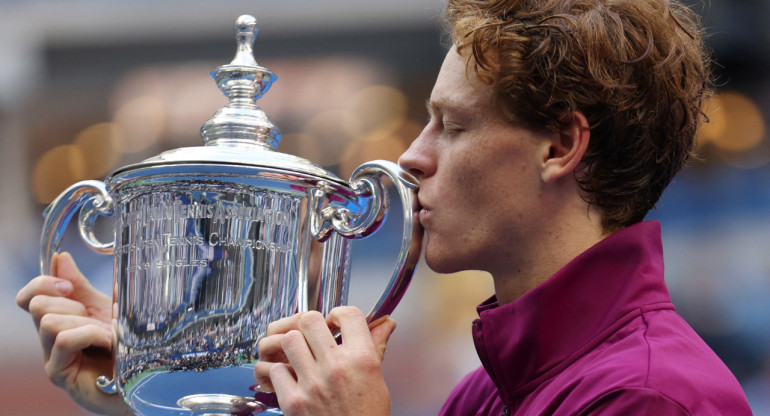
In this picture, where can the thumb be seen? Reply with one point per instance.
(381, 334)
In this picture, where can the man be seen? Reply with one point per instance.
(555, 126)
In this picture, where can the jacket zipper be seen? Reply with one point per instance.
(479, 344)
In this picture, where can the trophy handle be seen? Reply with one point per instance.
(366, 181)
(92, 199)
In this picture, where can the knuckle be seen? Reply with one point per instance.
(369, 363)
(24, 295)
(262, 376)
(21, 299)
(271, 328)
(349, 311)
(63, 341)
(38, 305)
(288, 340)
(262, 345)
(270, 349)
(291, 338)
(338, 369)
(312, 387)
(315, 388)
(296, 405)
(49, 322)
(272, 372)
(53, 374)
(308, 318)
(282, 325)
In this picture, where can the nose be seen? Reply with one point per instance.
(419, 158)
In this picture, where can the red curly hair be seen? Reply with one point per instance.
(637, 69)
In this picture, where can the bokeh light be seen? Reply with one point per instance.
(387, 143)
(736, 123)
(328, 129)
(57, 169)
(303, 145)
(141, 122)
(100, 146)
(376, 108)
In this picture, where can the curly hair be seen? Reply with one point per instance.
(637, 69)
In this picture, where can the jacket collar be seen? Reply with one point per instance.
(527, 341)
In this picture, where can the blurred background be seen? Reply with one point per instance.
(88, 86)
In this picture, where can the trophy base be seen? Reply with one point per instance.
(221, 405)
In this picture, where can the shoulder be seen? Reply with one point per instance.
(683, 366)
(634, 401)
(658, 366)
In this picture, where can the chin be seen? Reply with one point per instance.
(445, 263)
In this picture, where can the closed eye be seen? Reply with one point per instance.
(452, 128)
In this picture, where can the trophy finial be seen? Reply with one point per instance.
(243, 81)
(245, 33)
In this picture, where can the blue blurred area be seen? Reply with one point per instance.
(716, 229)
(714, 194)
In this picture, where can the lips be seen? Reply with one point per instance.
(423, 212)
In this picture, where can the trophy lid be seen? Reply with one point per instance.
(239, 133)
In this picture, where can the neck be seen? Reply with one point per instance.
(556, 244)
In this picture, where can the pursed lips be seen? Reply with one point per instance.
(423, 211)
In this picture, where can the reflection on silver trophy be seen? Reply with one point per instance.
(212, 243)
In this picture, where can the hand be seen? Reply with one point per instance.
(312, 375)
(74, 325)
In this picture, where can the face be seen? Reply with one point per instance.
(479, 178)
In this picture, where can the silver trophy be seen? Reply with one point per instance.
(212, 243)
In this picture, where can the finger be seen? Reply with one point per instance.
(262, 375)
(284, 325)
(52, 326)
(42, 285)
(42, 304)
(298, 354)
(381, 334)
(271, 350)
(96, 302)
(317, 334)
(69, 347)
(83, 290)
(284, 383)
(352, 324)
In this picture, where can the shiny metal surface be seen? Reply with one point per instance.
(213, 243)
(220, 404)
(58, 214)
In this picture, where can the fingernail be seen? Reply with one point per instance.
(259, 389)
(64, 287)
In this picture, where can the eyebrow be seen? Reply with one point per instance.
(431, 106)
(444, 106)
(428, 106)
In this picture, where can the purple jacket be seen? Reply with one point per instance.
(599, 337)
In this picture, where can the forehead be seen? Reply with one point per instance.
(456, 88)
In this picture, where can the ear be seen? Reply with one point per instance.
(566, 148)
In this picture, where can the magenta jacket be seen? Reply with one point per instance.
(600, 337)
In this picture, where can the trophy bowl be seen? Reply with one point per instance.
(214, 242)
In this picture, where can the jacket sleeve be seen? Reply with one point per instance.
(634, 401)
